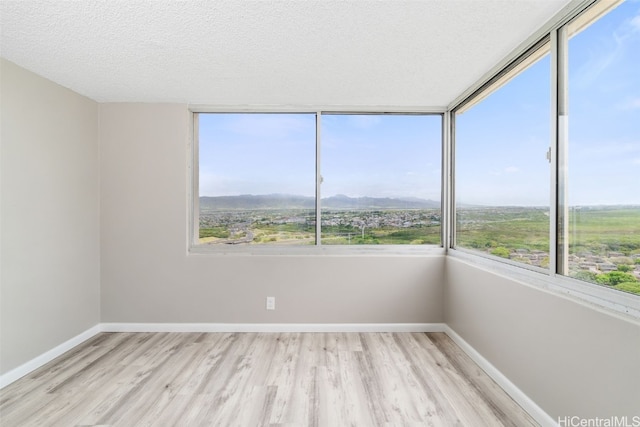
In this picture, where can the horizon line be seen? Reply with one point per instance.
(414, 198)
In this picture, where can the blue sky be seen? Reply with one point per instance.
(501, 142)
(604, 110)
(382, 156)
(257, 154)
(362, 155)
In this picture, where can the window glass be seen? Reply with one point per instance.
(381, 179)
(501, 170)
(256, 178)
(604, 148)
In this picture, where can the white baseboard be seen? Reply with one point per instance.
(35, 363)
(536, 412)
(273, 327)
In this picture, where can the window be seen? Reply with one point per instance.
(258, 176)
(381, 179)
(502, 174)
(583, 102)
(603, 197)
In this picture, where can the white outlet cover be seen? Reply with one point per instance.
(271, 303)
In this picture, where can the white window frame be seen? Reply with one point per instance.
(521, 63)
(193, 247)
(594, 295)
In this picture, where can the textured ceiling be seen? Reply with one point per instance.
(348, 52)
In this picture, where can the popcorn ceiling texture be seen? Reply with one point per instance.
(389, 52)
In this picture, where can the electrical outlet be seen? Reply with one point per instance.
(271, 303)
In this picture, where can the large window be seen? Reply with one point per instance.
(502, 173)
(381, 179)
(310, 179)
(256, 178)
(581, 103)
(603, 174)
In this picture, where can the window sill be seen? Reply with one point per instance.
(592, 295)
(326, 250)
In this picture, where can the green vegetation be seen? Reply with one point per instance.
(614, 278)
(633, 287)
(594, 230)
(500, 251)
(619, 280)
(601, 230)
(349, 235)
(599, 237)
(586, 276)
(219, 232)
(425, 235)
(511, 228)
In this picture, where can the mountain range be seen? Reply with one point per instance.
(287, 201)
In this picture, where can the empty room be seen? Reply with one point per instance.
(327, 213)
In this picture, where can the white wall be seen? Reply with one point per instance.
(571, 359)
(147, 275)
(50, 215)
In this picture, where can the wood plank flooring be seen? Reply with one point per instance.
(260, 379)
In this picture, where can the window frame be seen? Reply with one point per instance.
(193, 245)
(555, 32)
(520, 64)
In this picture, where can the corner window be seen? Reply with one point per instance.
(581, 102)
(502, 173)
(603, 198)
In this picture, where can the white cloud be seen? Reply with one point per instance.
(635, 23)
(592, 69)
(512, 169)
(631, 104)
(364, 121)
(606, 51)
(610, 149)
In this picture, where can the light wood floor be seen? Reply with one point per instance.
(260, 379)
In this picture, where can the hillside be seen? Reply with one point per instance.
(286, 201)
